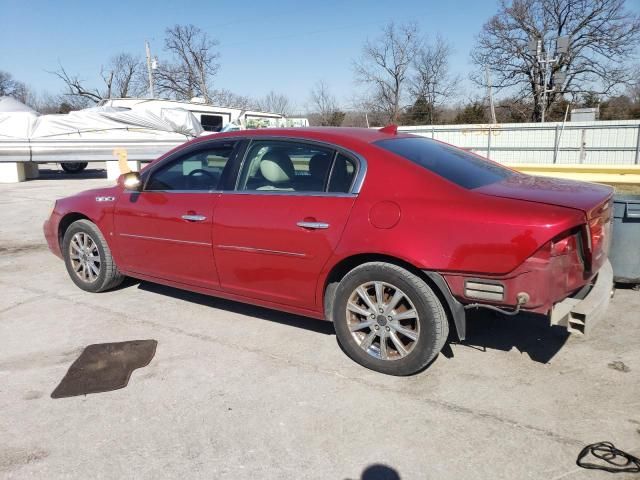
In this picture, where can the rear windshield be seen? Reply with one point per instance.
(454, 164)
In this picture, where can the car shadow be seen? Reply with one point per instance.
(56, 174)
(528, 333)
(276, 316)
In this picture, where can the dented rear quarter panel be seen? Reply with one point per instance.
(444, 227)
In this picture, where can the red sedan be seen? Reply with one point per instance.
(390, 236)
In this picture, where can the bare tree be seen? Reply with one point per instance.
(325, 106)
(194, 64)
(634, 88)
(58, 103)
(11, 87)
(275, 103)
(433, 82)
(75, 86)
(122, 77)
(127, 75)
(226, 98)
(603, 35)
(384, 67)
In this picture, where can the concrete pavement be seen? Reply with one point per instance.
(236, 391)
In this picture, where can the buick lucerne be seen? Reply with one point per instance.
(392, 237)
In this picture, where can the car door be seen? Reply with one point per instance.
(273, 234)
(164, 230)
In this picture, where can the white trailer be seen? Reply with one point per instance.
(213, 118)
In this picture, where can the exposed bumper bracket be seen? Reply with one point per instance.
(579, 315)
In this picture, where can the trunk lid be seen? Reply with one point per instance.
(553, 191)
(593, 199)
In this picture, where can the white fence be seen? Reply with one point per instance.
(595, 143)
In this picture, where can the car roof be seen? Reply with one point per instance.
(330, 134)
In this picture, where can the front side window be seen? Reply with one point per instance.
(284, 166)
(200, 170)
(462, 168)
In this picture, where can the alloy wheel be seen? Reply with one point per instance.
(85, 257)
(383, 320)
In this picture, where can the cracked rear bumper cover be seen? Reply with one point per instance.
(579, 314)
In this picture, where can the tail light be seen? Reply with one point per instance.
(565, 245)
(568, 243)
(596, 233)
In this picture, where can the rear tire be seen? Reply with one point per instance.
(88, 258)
(399, 329)
(74, 167)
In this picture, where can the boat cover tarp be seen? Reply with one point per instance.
(99, 123)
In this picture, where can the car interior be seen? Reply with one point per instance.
(199, 171)
(296, 168)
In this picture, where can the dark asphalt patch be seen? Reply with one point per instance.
(23, 248)
(619, 366)
(104, 367)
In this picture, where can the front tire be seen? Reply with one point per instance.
(388, 319)
(88, 258)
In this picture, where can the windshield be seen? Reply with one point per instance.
(462, 168)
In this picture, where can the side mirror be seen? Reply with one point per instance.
(131, 181)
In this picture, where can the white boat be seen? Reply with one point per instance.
(146, 128)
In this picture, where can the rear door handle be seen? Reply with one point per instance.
(313, 225)
(194, 218)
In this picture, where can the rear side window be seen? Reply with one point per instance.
(342, 174)
(456, 165)
(289, 166)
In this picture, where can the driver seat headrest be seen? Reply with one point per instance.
(277, 167)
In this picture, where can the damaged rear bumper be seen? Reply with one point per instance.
(581, 312)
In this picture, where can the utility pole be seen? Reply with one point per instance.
(149, 69)
(544, 90)
(545, 61)
(490, 94)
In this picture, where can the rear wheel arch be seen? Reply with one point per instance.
(347, 264)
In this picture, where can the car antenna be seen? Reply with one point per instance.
(390, 129)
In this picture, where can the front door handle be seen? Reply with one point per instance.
(313, 225)
(194, 218)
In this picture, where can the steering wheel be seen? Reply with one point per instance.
(200, 172)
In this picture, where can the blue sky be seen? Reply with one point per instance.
(284, 46)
